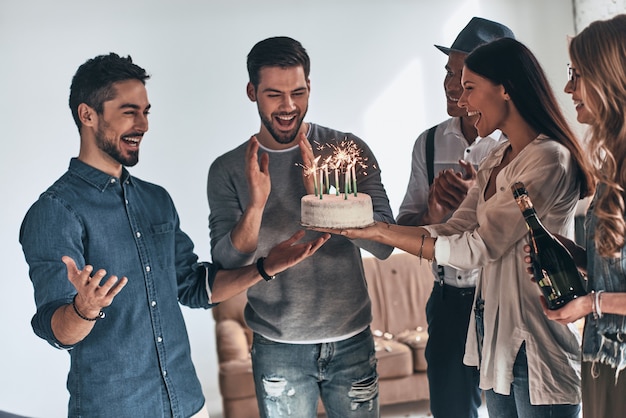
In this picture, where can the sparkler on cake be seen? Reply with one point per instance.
(328, 207)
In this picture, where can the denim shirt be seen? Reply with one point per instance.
(601, 342)
(136, 362)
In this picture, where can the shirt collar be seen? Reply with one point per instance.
(98, 179)
(455, 128)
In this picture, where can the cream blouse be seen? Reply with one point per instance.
(492, 233)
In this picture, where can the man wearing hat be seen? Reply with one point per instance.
(442, 171)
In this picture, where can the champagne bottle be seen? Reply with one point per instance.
(554, 268)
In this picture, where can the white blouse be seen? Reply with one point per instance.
(492, 233)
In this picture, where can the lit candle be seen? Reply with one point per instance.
(346, 183)
(354, 179)
(337, 181)
(314, 170)
(327, 181)
(348, 171)
(321, 182)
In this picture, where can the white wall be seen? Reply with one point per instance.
(375, 72)
(586, 11)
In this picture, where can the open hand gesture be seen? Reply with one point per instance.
(93, 295)
(288, 253)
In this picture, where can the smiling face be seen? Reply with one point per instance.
(282, 98)
(484, 100)
(111, 139)
(452, 83)
(575, 87)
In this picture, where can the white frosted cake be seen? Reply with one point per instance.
(336, 211)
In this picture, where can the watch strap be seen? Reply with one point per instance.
(261, 269)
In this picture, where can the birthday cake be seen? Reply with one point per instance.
(337, 211)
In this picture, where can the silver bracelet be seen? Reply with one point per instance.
(594, 311)
(598, 302)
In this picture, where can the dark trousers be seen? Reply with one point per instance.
(603, 397)
(454, 391)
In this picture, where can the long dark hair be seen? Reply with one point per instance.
(510, 63)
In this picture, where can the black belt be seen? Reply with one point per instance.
(445, 288)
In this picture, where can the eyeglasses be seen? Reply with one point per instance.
(572, 76)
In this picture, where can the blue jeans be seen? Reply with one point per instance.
(517, 404)
(454, 391)
(290, 378)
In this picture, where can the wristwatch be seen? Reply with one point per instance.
(262, 272)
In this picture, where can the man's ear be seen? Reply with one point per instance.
(251, 92)
(86, 114)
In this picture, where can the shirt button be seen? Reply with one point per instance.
(138, 234)
(459, 277)
(112, 181)
(164, 373)
(126, 201)
(147, 268)
(153, 303)
(159, 339)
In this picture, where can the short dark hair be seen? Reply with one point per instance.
(93, 82)
(510, 63)
(279, 51)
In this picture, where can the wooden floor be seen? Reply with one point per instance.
(416, 410)
(407, 410)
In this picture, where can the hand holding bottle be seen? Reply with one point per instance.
(552, 264)
(568, 313)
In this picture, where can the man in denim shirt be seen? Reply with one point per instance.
(130, 354)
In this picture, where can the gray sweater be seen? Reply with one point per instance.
(325, 296)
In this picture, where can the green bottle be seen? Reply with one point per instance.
(554, 268)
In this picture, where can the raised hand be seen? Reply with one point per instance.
(257, 174)
(308, 160)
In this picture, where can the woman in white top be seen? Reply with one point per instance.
(529, 365)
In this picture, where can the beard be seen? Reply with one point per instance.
(108, 146)
(281, 137)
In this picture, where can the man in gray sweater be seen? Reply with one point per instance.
(310, 323)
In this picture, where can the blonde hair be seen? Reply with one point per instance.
(599, 54)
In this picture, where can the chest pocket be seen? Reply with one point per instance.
(163, 243)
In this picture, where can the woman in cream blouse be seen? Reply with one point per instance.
(529, 365)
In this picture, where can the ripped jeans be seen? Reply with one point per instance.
(290, 378)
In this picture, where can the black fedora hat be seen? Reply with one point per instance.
(477, 32)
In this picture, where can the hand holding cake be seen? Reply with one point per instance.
(414, 240)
